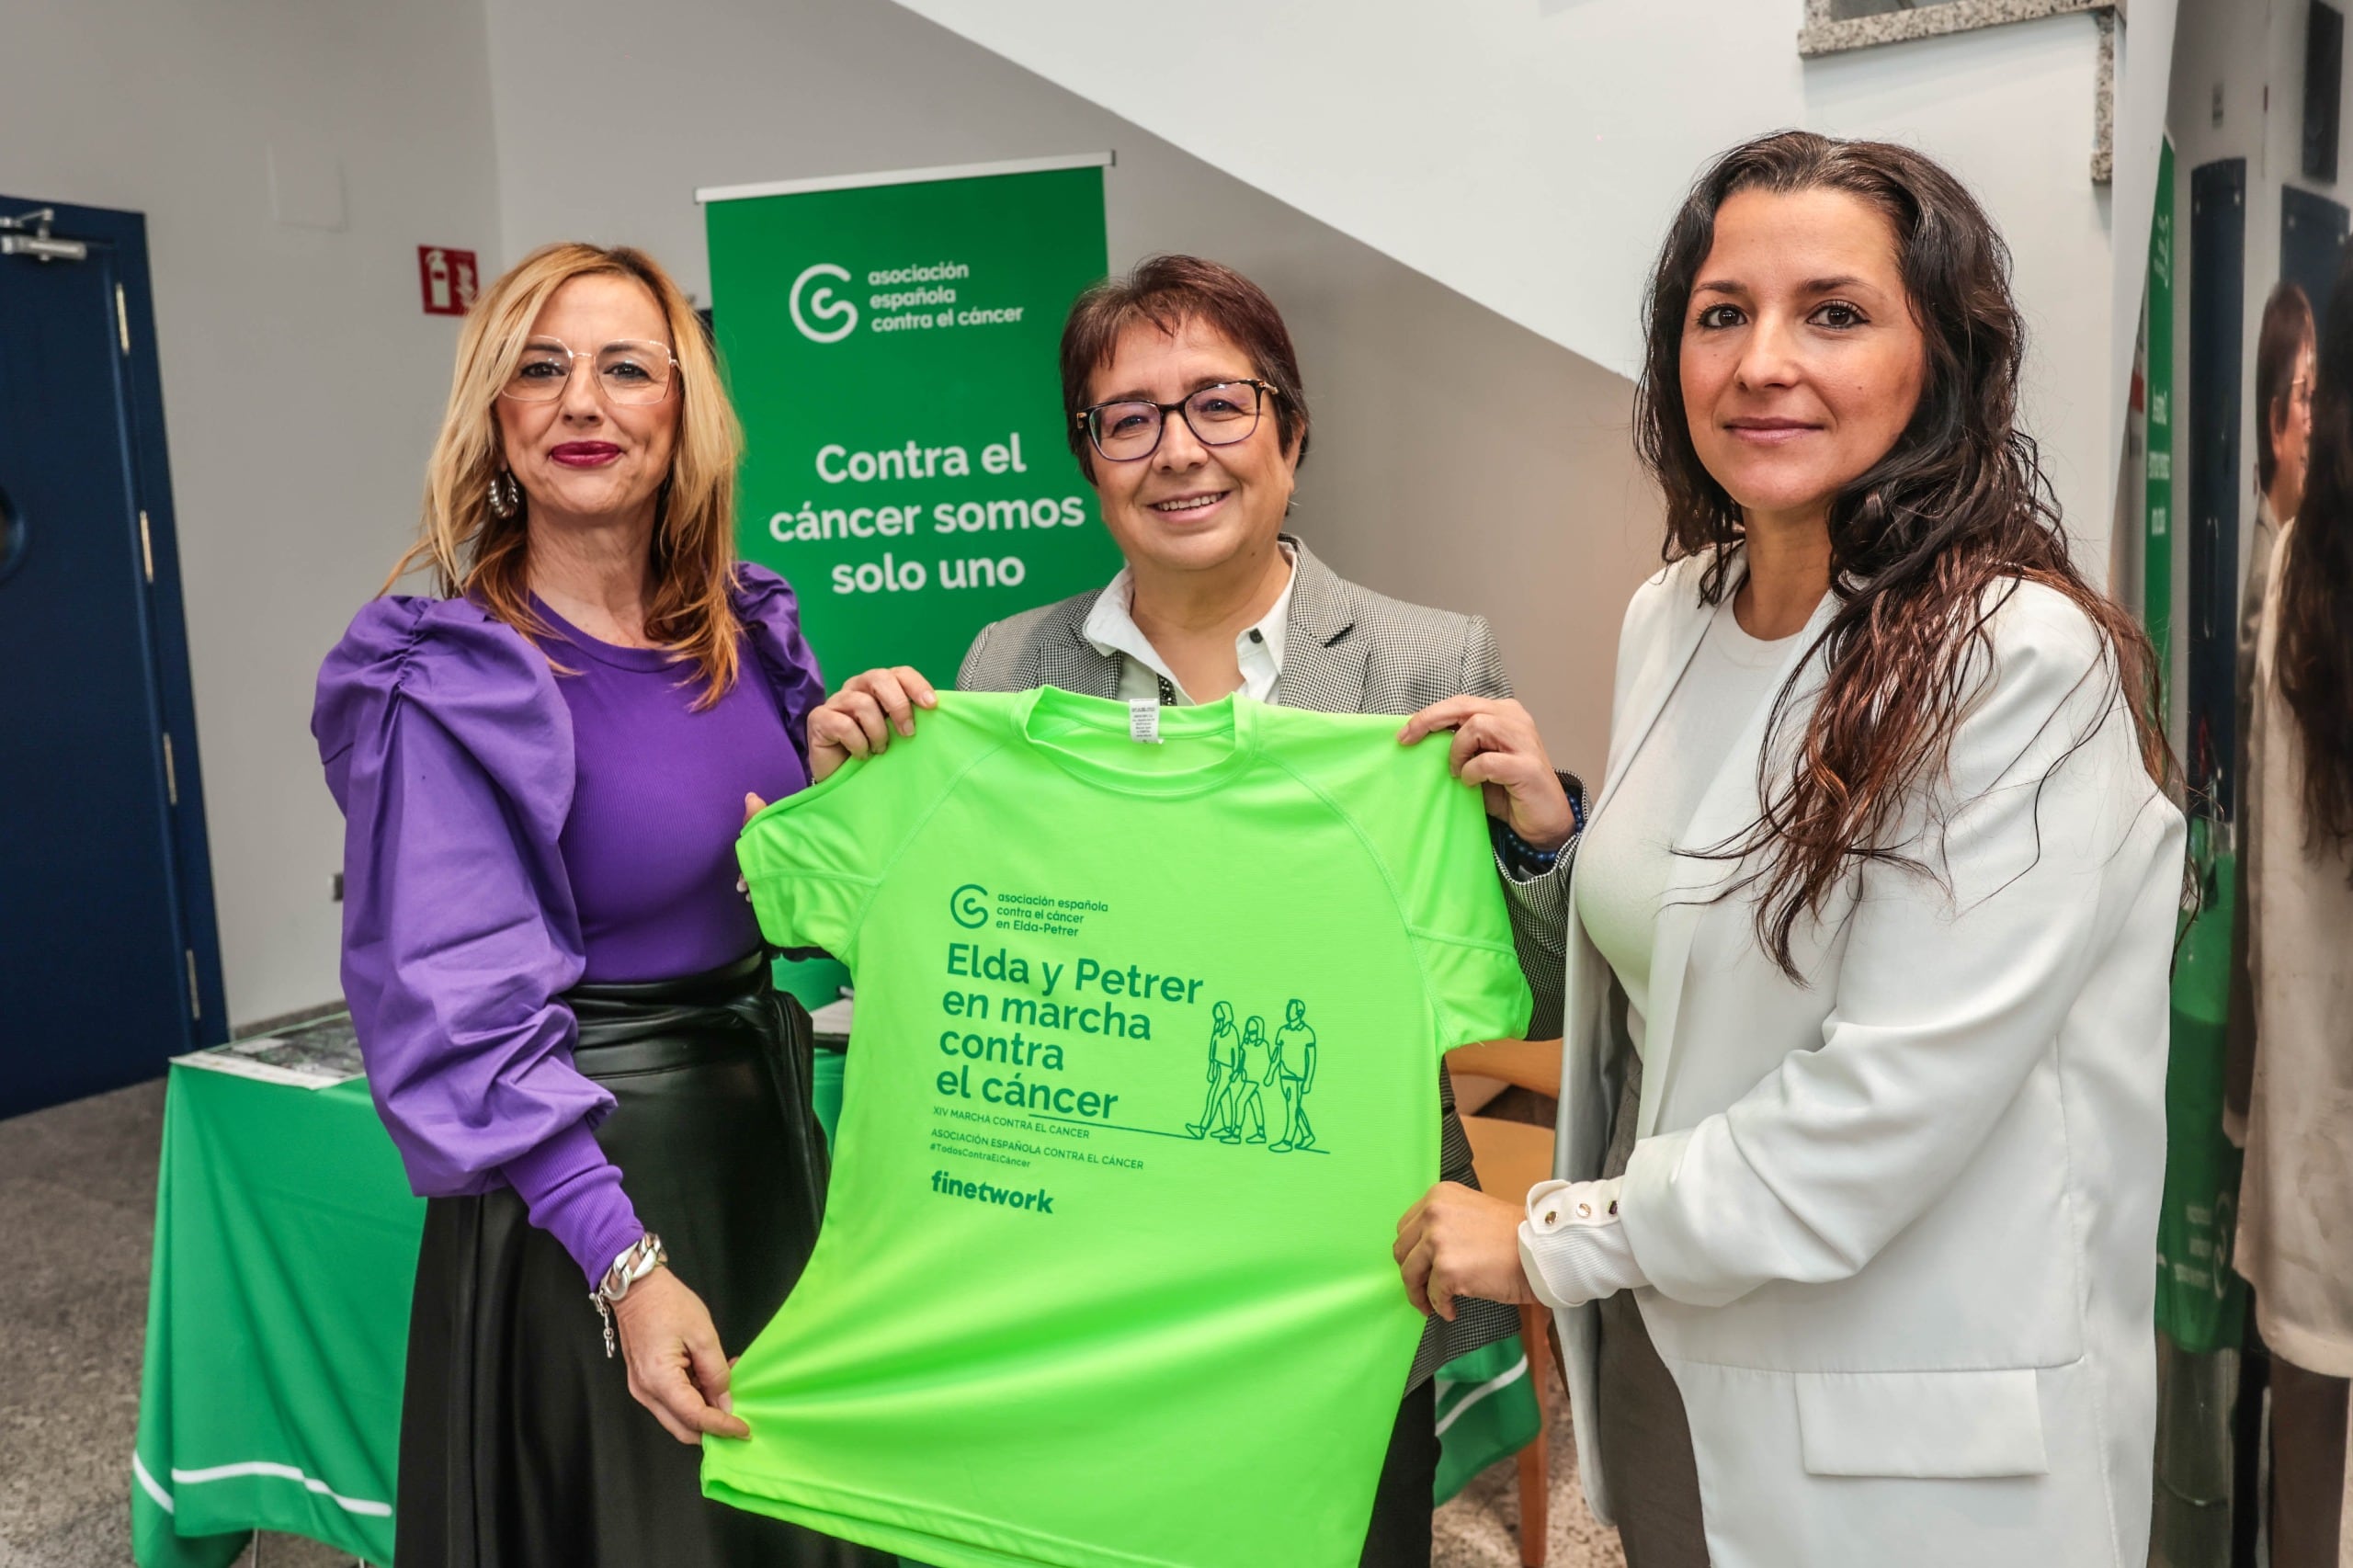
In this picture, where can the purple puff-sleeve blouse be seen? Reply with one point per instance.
(484, 794)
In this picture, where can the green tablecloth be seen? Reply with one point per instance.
(277, 1321)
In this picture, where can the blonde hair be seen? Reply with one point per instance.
(481, 556)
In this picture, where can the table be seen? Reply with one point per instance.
(277, 1322)
(286, 1245)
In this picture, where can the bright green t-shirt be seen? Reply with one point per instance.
(1097, 1285)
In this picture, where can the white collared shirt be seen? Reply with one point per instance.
(1112, 628)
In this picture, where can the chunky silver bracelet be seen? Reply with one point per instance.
(637, 1260)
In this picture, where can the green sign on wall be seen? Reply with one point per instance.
(890, 343)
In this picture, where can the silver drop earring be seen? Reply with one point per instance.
(505, 495)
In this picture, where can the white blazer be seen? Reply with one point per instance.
(1902, 1267)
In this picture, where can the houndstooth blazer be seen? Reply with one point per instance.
(1349, 650)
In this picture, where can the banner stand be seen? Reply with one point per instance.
(891, 341)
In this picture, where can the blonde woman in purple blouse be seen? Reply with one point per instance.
(563, 1002)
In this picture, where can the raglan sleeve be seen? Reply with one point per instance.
(1536, 890)
(1453, 906)
(814, 860)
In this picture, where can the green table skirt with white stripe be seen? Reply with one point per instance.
(286, 1243)
(277, 1322)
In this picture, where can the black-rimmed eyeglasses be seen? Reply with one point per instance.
(1129, 430)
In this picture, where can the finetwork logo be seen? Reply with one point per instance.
(970, 907)
(1038, 1201)
(835, 318)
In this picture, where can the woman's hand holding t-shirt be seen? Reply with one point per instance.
(1496, 747)
(857, 719)
(676, 1367)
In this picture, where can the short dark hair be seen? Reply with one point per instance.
(2287, 330)
(1169, 290)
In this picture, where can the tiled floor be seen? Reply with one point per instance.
(78, 1192)
(1481, 1528)
(77, 1187)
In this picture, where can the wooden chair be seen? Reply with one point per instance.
(1511, 1157)
(1532, 1065)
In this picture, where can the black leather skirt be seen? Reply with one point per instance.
(520, 1445)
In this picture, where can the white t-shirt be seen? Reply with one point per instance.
(1625, 862)
(1572, 1245)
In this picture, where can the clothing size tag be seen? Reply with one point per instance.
(1143, 721)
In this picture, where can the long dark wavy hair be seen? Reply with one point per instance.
(1926, 545)
(2314, 656)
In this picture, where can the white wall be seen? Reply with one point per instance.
(1545, 145)
(300, 380)
(1509, 492)
(1530, 154)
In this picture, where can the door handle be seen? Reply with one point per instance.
(12, 537)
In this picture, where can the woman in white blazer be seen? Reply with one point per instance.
(1861, 1129)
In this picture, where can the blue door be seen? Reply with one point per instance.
(2312, 233)
(108, 961)
(2217, 323)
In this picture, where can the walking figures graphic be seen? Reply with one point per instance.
(1243, 1066)
(1225, 1067)
(1294, 1074)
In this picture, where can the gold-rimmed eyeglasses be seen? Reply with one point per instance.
(630, 370)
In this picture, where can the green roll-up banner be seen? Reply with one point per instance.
(890, 341)
(2201, 1301)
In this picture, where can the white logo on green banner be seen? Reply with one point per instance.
(823, 305)
(891, 349)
